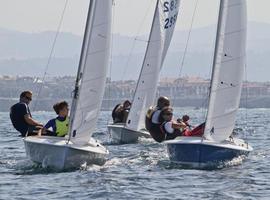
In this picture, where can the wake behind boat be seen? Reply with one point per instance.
(162, 29)
(216, 145)
(79, 148)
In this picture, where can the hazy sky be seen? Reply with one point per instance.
(131, 17)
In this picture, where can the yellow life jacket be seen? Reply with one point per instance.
(148, 118)
(61, 127)
(150, 111)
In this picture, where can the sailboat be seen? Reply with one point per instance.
(79, 147)
(162, 29)
(217, 146)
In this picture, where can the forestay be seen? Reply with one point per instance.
(159, 40)
(228, 69)
(92, 71)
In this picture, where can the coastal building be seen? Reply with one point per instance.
(184, 91)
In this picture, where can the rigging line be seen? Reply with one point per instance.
(246, 100)
(134, 41)
(186, 46)
(189, 33)
(110, 68)
(51, 52)
(141, 40)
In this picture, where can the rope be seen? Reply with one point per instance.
(51, 53)
(246, 99)
(189, 33)
(186, 46)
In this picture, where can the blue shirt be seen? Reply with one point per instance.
(51, 123)
(17, 113)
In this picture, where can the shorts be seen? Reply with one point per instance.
(33, 130)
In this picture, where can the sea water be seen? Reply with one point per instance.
(139, 171)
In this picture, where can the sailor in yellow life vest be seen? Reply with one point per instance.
(59, 125)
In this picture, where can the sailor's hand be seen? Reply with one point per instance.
(39, 127)
(182, 124)
(43, 131)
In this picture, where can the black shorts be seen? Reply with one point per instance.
(156, 133)
(49, 133)
(33, 130)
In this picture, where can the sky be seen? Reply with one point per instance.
(131, 17)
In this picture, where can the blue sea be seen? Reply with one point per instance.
(139, 171)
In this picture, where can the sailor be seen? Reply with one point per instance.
(152, 123)
(170, 128)
(185, 120)
(190, 130)
(59, 125)
(21, 117)
(120, 112)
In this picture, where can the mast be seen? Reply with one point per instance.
(86, 38)
(160, 36)
(228, 70)
(137, 84)
(91, 79)
(220, 14)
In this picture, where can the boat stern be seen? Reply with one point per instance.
(197, 152)
(121, 135)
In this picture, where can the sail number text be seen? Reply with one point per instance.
(167, 7)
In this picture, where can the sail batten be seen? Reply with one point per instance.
(228, 70)
(159, 40)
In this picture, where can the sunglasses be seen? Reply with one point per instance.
(28, 98)
(168, 114)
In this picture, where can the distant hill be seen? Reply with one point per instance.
(27, 54)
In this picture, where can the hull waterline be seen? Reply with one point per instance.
(193, 151)
(54, 152)
(121, 135)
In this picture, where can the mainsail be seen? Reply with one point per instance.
(159, 40)
(228, 70)
(91, 77)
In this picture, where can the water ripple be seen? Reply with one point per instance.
(139, 171)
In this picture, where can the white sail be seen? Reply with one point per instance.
(228, 70)
(159, 40)
(92, 71)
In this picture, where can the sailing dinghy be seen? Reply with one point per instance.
(217, 145)
(162, 29)
(79, 147)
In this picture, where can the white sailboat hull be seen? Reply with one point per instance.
(54, 152)
(122, 135)
(195, 152)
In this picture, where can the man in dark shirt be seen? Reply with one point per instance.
(120, 112)
(21, 117)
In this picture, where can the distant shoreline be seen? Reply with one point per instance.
(197, 103)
